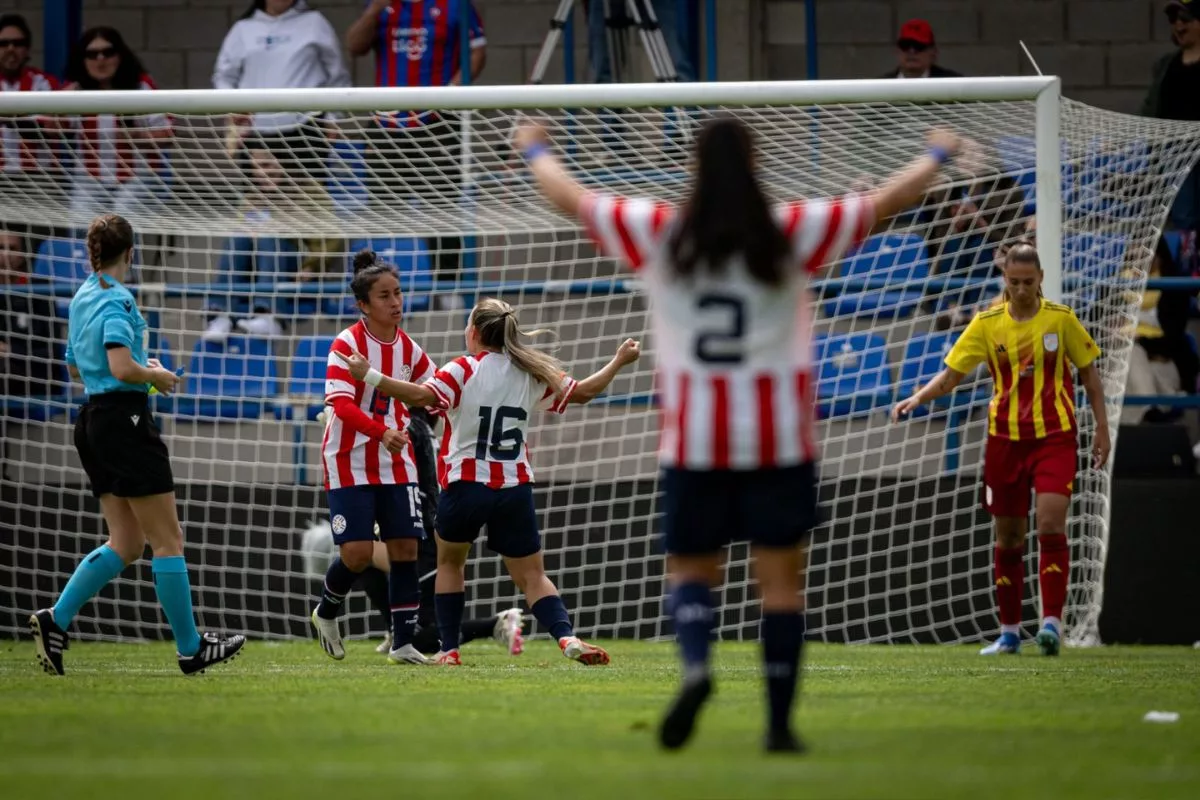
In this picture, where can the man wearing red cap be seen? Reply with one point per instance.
(917, 53)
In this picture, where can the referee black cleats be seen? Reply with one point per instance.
(681, 716)
(50, 641)
(214, 648)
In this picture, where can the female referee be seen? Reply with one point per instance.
(1029, 345)
(488, 397)
(370, 472)
(726, 275)
(124, 457)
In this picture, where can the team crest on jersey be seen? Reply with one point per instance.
(339, 524)
(405, 373)
(411, 42)
(1050, 342)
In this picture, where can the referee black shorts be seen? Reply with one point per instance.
(705, 510)
(120, 447)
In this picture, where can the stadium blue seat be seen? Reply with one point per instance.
(854, 377)
(63, 260)
(1091, 259)
(348, 172)
(896, 258)
(1174, 241)
(924, 357)
(230, 380)
(307, 381)
(262, 259)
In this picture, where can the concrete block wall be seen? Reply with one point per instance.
(1102, 48)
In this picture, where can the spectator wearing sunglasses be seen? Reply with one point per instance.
(916, 52)
(1175, 94)
(121, 161)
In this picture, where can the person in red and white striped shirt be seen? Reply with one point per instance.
(370, 469)
(119, 159)
(23, 140)
(487, 398)
(727, 278)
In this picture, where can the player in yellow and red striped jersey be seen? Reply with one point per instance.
(1029, 345)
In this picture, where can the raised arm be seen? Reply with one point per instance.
(361, 35)
(591, 386)
(905, 188)
(412, 394)
(533, 142)
(1089, 376)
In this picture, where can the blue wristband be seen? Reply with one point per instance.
(939, 154)
(534, 150)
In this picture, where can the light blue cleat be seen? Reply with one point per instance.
(1008, 643)
(1048, 640)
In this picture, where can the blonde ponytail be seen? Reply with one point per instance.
(496, 325)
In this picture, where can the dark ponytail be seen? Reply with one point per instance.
(109, 237)
(368, 269)
(728, 214)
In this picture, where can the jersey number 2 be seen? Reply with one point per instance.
(721, 343)
(495, 441)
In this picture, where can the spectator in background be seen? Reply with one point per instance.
(415, 152)
(30, 147)
(1175, 94)
(1162, 361)
(28, 327)
(618, 19)
(917, 52)
(282, 44)
(120, 162)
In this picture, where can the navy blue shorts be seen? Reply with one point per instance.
(703, 511)
(354, 510)
(465, 506)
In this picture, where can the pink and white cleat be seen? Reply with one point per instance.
(576, 649)
(447, 658)
(508, 631)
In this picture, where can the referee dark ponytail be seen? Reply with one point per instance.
(728, 214)
(368, 269)
(109, 237)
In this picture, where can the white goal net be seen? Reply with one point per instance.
(245, 240)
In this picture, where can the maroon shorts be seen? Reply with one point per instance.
(1011, 469)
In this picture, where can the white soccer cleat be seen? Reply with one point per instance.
(407, 655)
(577, 649)
(508, 631)
(386, 645)
(447, 658)
(330, 636)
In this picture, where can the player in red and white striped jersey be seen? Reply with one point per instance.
(727, 278)
(370, 469)
(487, 398)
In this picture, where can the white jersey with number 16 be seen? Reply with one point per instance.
(487, 401)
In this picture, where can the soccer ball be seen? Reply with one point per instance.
(317, 548)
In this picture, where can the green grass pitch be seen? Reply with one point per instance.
(283, 721)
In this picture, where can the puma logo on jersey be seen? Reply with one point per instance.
(135, 418)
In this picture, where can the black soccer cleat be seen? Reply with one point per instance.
(214, 648)
(681, 716)
(50, 640)
(783, 742)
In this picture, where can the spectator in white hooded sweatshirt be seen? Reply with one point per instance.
(281, 44)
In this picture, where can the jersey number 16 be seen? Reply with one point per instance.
(496, 442)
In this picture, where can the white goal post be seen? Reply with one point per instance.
(245, 238)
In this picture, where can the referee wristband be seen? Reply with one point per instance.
(534, 150)
(939, 154)
(373, 377)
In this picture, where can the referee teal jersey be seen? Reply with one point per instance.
(99, 319)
